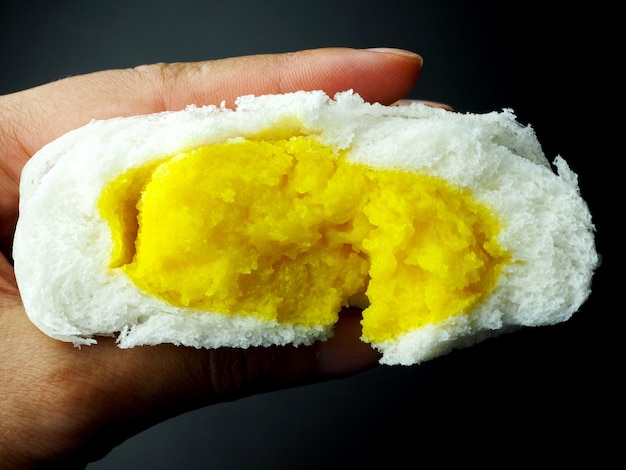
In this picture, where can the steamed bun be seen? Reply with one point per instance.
(212, 227)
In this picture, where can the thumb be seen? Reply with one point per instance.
(89, 400)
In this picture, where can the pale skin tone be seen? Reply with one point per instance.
(64, 405)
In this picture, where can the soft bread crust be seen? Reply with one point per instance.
(62, 244)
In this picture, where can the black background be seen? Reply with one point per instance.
(545, 395)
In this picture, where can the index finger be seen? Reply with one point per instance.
(382, 75)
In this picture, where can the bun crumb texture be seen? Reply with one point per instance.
(212, 227)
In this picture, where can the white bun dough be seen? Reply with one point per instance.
(62, 244)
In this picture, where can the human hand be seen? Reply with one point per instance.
(63, 405)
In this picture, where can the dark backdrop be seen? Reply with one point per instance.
(537, 394)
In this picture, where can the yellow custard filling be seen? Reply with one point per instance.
(288, 229)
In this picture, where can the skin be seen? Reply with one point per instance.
(63, 406)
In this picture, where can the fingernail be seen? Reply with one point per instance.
(392, 50)
(432, 104)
